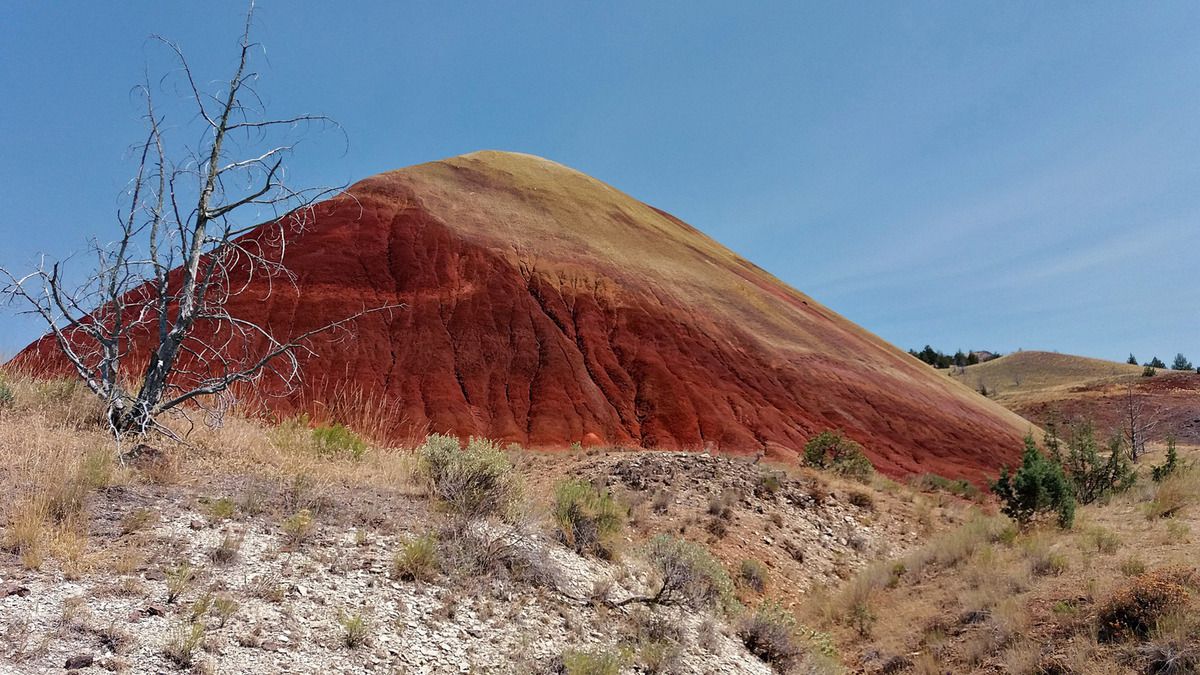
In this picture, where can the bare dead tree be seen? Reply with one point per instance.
(1138, 422)
(147, 328)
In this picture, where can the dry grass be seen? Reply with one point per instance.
(56, 453)
(48, 472)
(984, 597)
(1178, 492)
(975, 596)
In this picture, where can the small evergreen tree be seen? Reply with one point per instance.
(1094, 475)
(929, 355)
(1163, 471)
(1156, 363)
(1181, 363)
(1038, 486)
(1132, 360)
(934, 357)
(1052, 440)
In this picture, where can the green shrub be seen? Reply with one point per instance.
(356, 630)
(178, 581)
(1065, 608)
(224, 607)
(182, 642)
(1092, 475)
(1104, 541)
(1149, 371)
(1167, 468)
(1048, 563)
(473, 482)
(862, 618)
(768, 484)
(7, 399)
(770, 634)
(298, 527)
(417, 560)
(754, 574)
(593, 663)
(931, 482)
(1039, 486)
(688, 574)
(833, 451)
(660, 656)
(588, 519)
(338, 439)
(222, 509)
(1132, 566)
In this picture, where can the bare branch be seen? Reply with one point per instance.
(220, 384)
(154, 305)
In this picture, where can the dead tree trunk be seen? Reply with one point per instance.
(180, 256)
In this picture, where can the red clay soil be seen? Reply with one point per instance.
(1169, 401)
(544, 307)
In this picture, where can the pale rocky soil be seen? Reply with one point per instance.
(497, 626)
(807, 531)
(111, 604)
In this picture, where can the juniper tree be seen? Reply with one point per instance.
(1038, 486)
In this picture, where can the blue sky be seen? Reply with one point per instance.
(1003, 175)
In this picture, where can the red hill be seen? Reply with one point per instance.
(545, 308)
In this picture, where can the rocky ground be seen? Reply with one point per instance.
(269, 594)
(810, 530)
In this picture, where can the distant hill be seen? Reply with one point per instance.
(1023, 375)
(1044, 385)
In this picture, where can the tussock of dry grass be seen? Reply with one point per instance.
(55, 453)
(1178, 492)
(252, 448)
(853, 603)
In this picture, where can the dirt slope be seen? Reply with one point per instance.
(545, 307)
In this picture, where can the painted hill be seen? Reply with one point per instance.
(545, 308)
(1044, 385)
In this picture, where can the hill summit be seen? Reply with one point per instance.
(547, 308)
